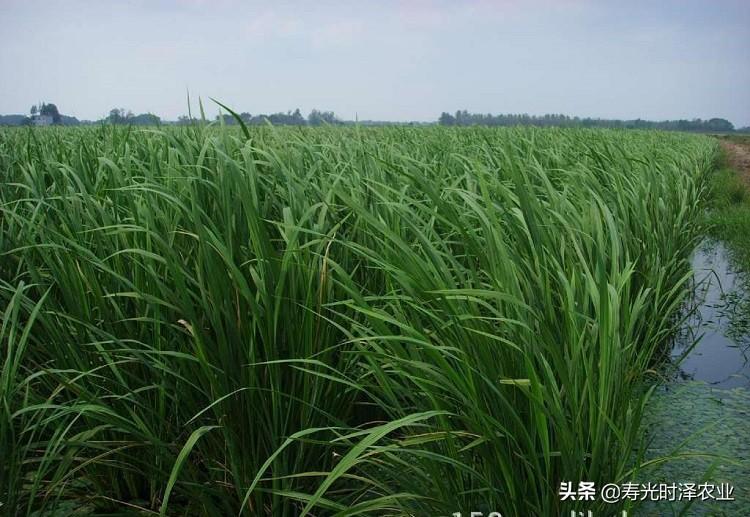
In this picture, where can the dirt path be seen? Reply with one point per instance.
(739, 157)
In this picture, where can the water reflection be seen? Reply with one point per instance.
(718, 322)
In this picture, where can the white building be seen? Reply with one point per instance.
(42, 120)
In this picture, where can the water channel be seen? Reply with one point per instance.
(702, 414)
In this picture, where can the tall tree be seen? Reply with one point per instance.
(317, 118)
(446, 119)
(51, 111)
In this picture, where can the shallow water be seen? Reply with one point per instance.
(702, 419)
(718, 322)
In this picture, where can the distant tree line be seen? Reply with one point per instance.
(464, 118)
(120, 116)
(290, 118)
(44, 109)
(52, 115)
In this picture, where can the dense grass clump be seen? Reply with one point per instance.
(729, 203)
(335, 320)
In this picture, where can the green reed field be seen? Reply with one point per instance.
(333, 321)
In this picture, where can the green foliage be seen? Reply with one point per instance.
(290, 118)
(728, 220)
(464, 118)
(318, 118)
(14, 120)
(120, 116)
(333, 320)
(729, 215)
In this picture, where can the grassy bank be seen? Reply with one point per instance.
(729, 220)
(729, 216)
(343, 321)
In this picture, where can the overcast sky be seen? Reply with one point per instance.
(386, 60)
